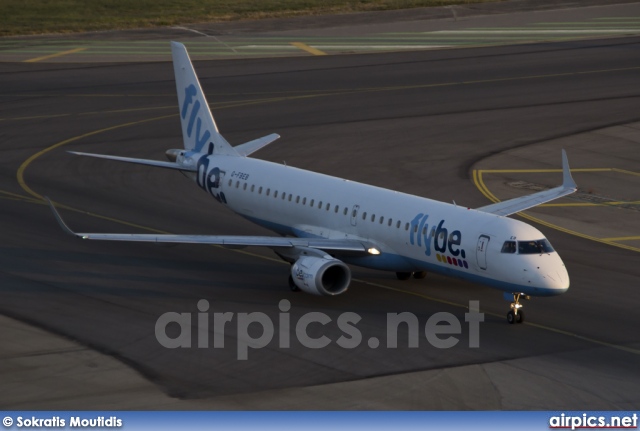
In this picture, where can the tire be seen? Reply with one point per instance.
(520, 317)
(511, 317)
(403, 275)
(420, 275)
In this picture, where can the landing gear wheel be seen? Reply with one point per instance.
(420, 274)
(403, 275)
(516, 315)
(292, 285)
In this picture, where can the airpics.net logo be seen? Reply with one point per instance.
(173, 330)
(590, 421)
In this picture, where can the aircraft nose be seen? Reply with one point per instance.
(557, 281)
(547, 275)
(555, 278)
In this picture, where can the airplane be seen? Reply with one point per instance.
(326, 222)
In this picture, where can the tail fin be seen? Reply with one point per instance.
(199, 130)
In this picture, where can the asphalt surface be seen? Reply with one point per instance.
(484, 24)
(419, 122)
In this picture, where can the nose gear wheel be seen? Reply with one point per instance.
(515, 314)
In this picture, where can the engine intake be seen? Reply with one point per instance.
(321, 276)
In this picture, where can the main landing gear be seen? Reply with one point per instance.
(516, 315)
(407, 275)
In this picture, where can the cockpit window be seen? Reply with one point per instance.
(509, 247)
(534, 247)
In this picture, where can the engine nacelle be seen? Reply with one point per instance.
(321, 276)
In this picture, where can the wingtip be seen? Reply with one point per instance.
(567, 179)
(56, 214)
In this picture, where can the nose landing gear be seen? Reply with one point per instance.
(516, 315)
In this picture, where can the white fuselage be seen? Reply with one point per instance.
(411, 232)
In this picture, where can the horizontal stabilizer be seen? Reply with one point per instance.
(515, 205)
(156, 163)
(252, 146)
(223, 240)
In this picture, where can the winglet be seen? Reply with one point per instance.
(61, 222)
(567, 179)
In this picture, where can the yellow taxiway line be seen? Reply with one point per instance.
(57, 54)
(309, 49)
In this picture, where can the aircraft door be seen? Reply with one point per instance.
(481, 251)
(354, 215)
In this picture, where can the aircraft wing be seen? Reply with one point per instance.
(515, 205)
(156, 163)
(340, 245)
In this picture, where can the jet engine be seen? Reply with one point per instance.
(322, 276)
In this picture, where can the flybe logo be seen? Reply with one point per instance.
(194, 119)
(437, 237)
(209, 179)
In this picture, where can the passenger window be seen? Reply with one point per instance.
(230, 182)
(509, 247)
(345, 210)
(260, 191)
(244, 187)
(311, 203)
(237, 184)
(337, 208)
(320, 205)
(290, 196)
(364, 215)
(297, 199)
(390, 221)
(328, 206)
(304, 201)
(424, 230)
(406, 226)
(275, 194)
(398, 224)
(253, 187)
(381, 219)
(415, 228)
(373, 217)
(268, 192)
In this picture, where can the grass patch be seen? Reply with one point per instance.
(20, 17)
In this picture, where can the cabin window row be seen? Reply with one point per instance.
(289, 198)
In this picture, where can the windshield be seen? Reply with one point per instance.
(509, 247)
(534, 247)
